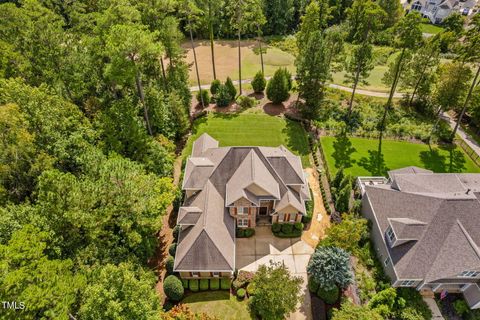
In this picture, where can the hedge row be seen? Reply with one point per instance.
(313, 149)
(287, 230)
(205, 284)
(244, 232)
(324, 196)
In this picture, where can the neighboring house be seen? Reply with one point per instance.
(228, 188)
(426, 229)
(437, 10)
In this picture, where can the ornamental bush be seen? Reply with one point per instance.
(259, 82)
(173, 288)
(169, 265)
(276, 227)
(298, 226)
(249, 232)
(240, 233)
(193, 285)
(214, 86)
(251, 289)
(176, 232)
(232, 91)
(185, 283)
(312, 285)
(225, 284)
(246, 102)
(330, 267)
(241, 293)
(214, 284)
(223, 96)
(328, 296)
(204, 285)
(287, 228)
(278, 87)
(172, 249)
(203, 96)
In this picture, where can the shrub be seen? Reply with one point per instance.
(251, 289)
(203, 96)
(204, 284)
(173, 288)
(246, 102)
(461, 307)
(232, 92)
(172, 249)
(242, 279)
(176, 232)
(259, 82)
(293, 234)
(240, 233)
(249, 232)
(223, 96)
(169, 265)
(168, 305)
(306, 219)
(241, 294)
(276, 227)
(330, 267)
(185, 283)
(214, 86)
(225, 284)
(277, 88)
(328, 296)
(214, 284)
(288, 76)
(287, 228)
(312, 285)
(298, 225)
(193, 285)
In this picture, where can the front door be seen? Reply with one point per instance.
(263, 211)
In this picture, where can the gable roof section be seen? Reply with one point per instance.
(203, 143)
(197, 172)
(252, 171)
(285, 170)
(290, 198)
(407, 229)
(188, 215)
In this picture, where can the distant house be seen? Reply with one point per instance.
(228, 188)
(426, 229)
(437, 10)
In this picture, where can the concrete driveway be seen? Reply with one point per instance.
(265, 247)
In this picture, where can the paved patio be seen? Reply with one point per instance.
(265, 247)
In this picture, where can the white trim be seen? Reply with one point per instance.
(437, 287)
(465, 287)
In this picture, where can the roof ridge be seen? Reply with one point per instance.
(214, 243)
(469, 238)
(253, 165)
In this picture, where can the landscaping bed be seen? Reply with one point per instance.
(287, 230)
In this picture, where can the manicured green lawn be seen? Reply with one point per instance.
(248, 129)
(430, 28)
(353, 154)
(219, 304)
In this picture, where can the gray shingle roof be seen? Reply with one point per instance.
(447, 243)
(221, 176)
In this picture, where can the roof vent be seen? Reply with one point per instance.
(468, 191)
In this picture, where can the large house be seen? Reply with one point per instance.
(426, 229)
(228, 188)
(437, 10)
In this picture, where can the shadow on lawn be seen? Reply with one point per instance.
(343, 150)
(296, 138)
(374, 164)
(437, 162)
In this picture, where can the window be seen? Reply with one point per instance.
(293, 216)
(407, 283)
(281, 216)
(387, 261)
(195, 274)
(469, 274)
(390, 235)
(242, 222)
(242, 210)
(216, 274)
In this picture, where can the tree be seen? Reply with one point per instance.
(470, 52)
(279, 15)
(339, 176)
(454, 23)
(278, 87)
(364, 19)
(349, 311)
(247, 16)
(394, 11)
(173, 288)
(330, 267)
(277, 293)
(47, 287)
(111, 290)
(342, 200)
(420, 68)
(408, 36)
(259, 82)
(232, 91)
(384, 302)
(347, 235)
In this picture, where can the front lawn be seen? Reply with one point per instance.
(430, 28)
(219, 304)
(354, 155)
(248, 129)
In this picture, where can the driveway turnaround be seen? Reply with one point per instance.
(265, 247)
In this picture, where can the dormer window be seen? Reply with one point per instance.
(469, 274)
(390, 235)
(242, 210)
